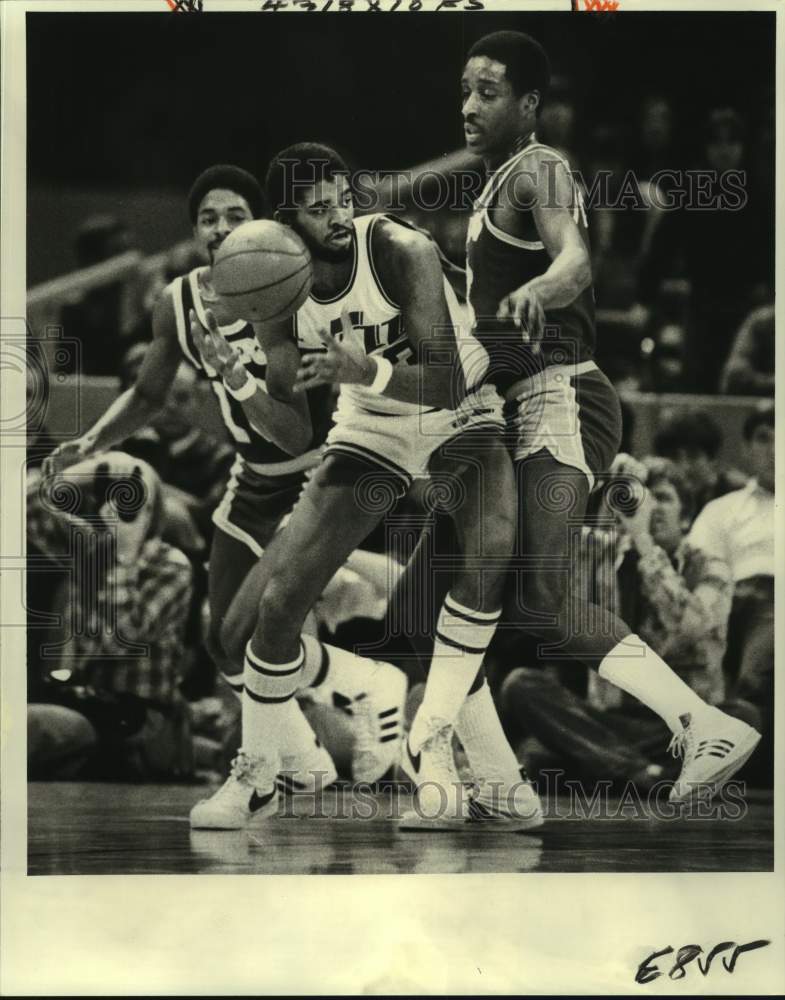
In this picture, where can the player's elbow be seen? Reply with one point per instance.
(148, 400)
(295, 436)
(300, 439)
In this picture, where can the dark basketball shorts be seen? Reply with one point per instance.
(572, 411)
(256, 503)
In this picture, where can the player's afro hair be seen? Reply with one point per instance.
(527, 63)
(298, 167)
(229, 178)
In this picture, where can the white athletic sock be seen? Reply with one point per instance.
(480, 731)
(328, 668)
(235, 683)
(637, 669)
(462, 637)
(269, 688)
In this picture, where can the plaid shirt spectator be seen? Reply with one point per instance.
(127, 619)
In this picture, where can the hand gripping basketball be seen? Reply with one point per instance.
(216, 352)
(338, 363)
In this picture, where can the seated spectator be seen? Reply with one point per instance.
(749, 370)
(692, 440)
(107, 702)
(739, 528)
(193, 464)
(674, 596)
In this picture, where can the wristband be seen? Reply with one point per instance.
(246, 390)
(384, 370)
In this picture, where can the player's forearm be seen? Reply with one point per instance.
(128, 413)
(568, 275)
(279, 422)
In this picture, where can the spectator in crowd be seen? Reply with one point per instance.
(723, 253)
(193, 464)
(692, 440)
(749, 370)
(107, 703)
(103, 318)
(654, 150)
(674, 596)
(739, 529)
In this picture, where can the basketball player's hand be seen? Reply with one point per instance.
(524, 308)
(216, 352)
(338, 363)
(66, 455)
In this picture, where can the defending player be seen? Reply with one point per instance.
(277, 442)
(380, 291)
(530, 292)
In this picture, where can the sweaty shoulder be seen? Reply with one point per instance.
(532, 170)
(401, 253)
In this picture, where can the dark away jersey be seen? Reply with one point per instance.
(498, 263)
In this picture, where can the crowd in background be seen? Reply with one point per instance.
(121, 685)
(685, 302)
(684, 294)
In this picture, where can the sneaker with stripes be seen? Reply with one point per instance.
(713, 746)
(378, 720)
(249, 793)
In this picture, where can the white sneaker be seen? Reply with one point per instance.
(306, 774)
(378, 719)
(515, 807)
(248, 793)
(714, 746)
(442, 800)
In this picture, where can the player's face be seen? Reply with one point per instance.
(492, 116)
(324, 219)
(219, 213)
(667, 524)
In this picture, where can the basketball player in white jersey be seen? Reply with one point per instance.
(379, 288)
(276, 442)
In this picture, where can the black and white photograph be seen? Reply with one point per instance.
(392, 494)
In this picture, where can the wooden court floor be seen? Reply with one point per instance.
(92, 828)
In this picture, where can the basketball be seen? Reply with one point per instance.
(262, 271)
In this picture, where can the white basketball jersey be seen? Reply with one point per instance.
(377, 327)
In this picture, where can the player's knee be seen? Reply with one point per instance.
(546, 594)
(277, 610)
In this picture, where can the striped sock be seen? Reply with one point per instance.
(462, 637)
(235, 683)
(316, 661)
(269, 688)
(332, 669)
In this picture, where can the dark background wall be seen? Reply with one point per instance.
(125, 104)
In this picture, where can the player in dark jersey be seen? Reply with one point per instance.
(276, 441)
(529, 285)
